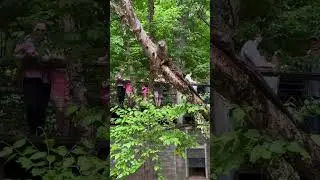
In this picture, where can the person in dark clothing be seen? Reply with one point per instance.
(36, 98)
(104, 92)
(120, 87)
(36, 86)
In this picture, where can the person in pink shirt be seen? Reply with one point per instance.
(129, 91)
(104, 92)
(121, 93)
(36, 85)
(145, 92)
(40, 82)
(60, 94)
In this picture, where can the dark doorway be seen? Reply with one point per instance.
(197, 172)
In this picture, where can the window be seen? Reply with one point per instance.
(196, 163)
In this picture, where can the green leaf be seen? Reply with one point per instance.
(266, 154)
(25, 163)
(238, 114)
(38, 171)
(11, 157)
(79, 151)
(51, 158)
(295, 147)
(252, 134)
(6, 152)
(39, 164)
(61, 150)
(84, 163)
(258, 152)
(19, 143)
(71, 109)
(38, 155)
(156, 168)
(277, 147)
(29, 150)
(68, 162)
(67, 174)
(50, 142)
(86, 143)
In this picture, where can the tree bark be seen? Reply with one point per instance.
(152, 72)
(282, 170)
(240, 83)
(126, 12)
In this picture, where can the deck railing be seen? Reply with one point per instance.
(296, 85)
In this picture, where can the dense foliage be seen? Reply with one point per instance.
(143, 132)
(287, 26)
(69, 27)
(59, 162)
(86, 38)
(140, 134)
(247, 147)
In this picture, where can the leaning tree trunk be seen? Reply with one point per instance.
(170, 73)
(152, 70)
(243, 85)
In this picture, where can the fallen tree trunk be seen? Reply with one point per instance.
(170, 74)
(240, 83)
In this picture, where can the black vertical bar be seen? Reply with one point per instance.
(107, 46)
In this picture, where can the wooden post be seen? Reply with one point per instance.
(179, 99)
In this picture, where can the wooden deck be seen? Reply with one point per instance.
(296, 75)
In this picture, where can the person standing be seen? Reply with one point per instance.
(120, 87)
(145, 91)
(104, 92)
(35, 83)
(60, 93)
(129, 92)
(157, 96)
